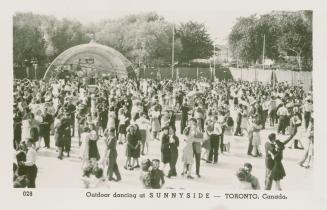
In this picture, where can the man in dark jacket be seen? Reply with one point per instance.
(269, 148)
(47, 121)
(173, 146)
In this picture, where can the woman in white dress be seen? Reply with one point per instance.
(155, 124)
(84, 149)
(256, 140)
(111, 118)
(245, 119)
(26, 127)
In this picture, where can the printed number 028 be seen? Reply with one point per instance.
(27, 193)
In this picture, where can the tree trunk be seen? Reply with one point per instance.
(299, 61)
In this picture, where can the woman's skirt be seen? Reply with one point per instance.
(93, 150)
(122, 129)
(278, 171)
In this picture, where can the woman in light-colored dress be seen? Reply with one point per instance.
(26, 127)
(84, 149)
(111, 118)
(245, 119)
(256, 140)
(155, 124)
(187, 157)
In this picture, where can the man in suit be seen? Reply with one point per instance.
(173, 146)
(270, 149)
(47, 121)
(111, 156)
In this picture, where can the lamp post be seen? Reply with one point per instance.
(34, 63)
(27, 68)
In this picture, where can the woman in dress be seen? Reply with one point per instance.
(111, 118)
(93, 147)
(208, 128)
(130, 146)
(256, 140)
(245, 119)
(228, 131)
(84, 149)
(122, 125)
(137, 149)
(155, 123)
(26, 127)
(187, 157)
(278, 171)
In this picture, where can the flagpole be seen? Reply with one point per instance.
(172, 55)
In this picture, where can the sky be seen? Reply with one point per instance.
(218, 17)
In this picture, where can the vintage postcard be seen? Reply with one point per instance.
(151, 103)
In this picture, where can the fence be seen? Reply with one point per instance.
(293, 77)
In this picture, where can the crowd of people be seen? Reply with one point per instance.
(135, 113)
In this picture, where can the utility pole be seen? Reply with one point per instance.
(172, 54)
(214, 60)
(263, 52)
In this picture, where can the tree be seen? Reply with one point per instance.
(28, 40)
(195, 40)
(143, 38)
(296, 35)
(242, 39)
(67, 34)
(287, 34)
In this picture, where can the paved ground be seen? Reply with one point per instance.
(54, 173)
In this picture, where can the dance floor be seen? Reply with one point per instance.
(66, 173)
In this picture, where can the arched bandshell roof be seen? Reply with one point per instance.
(104, 60)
